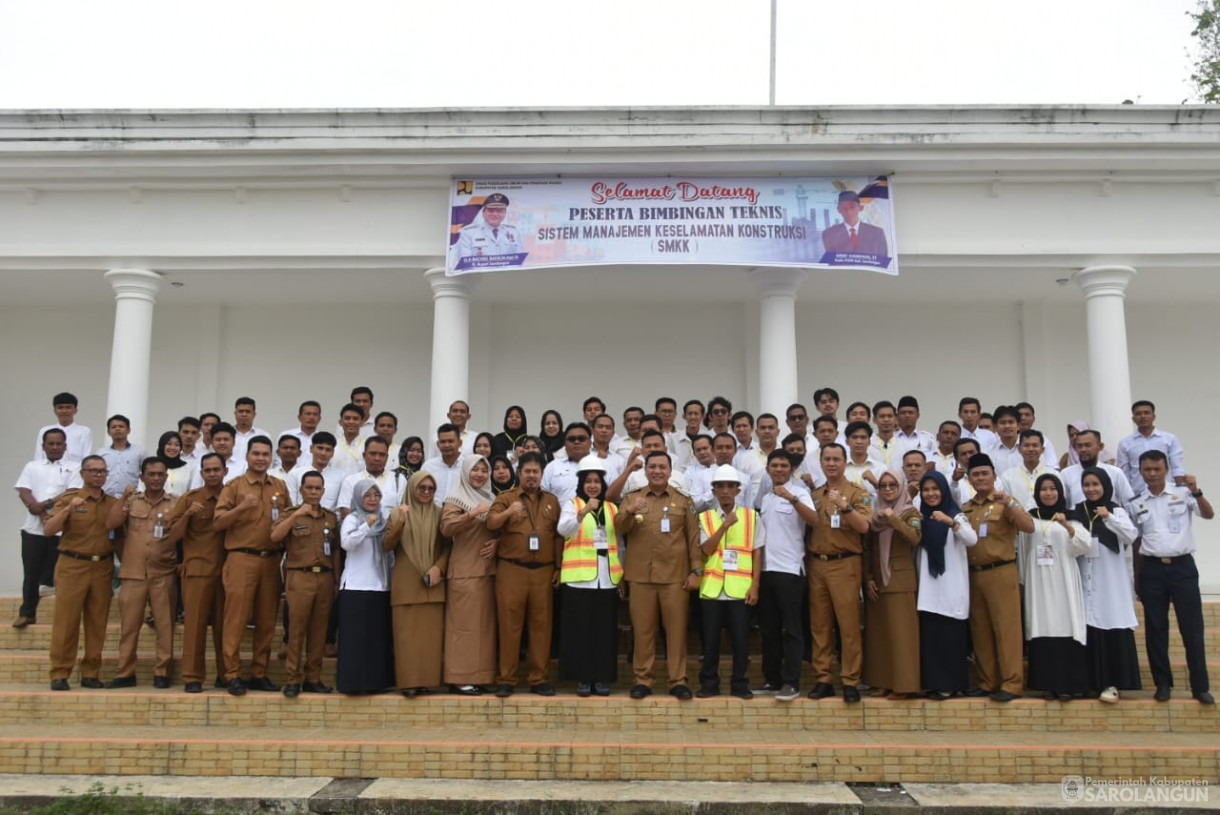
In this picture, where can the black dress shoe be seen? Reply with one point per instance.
(316, 687)
(1003, 696)
(262, 683)
(851, 693)
(504, 690)
(194, 687)
(236, 687)
(1205, 698)
(707, 693)
(120, 682)
(584, 690)
(744, 693)
(161, 682)
(1162, 693)
(601, 689)
(640, 691)
(681, 693)
(976, 693)
(542, 689)
(95, 683)
(60, 684)
(822, 690)
(409, 693)
(220, 682)
(292, 690)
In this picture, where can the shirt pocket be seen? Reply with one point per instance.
(140, 510)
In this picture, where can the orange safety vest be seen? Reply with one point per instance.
(580, 553)
(739, 538)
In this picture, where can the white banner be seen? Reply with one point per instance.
(514, 223)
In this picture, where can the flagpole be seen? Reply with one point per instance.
(773, 10)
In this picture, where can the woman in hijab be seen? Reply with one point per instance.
(417, 589)
(891, 628)
(1108, 597)
(411, 456)
(589, 577)
(551, 436)
(470, 608)
(179, 471)
(503, 478)
(516, 428)
(944, 589)
(365, 659)
(1054, 599)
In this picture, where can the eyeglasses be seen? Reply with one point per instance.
(802, 417)
(95, 471)
(426, 488)
(577, 438)
(888, 486)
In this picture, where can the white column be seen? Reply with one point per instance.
(135, 295)
(450, 345)
(1104, 290)
(777, 363)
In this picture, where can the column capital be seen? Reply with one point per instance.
(1103, 281)
(443, 286)
(134, 284)
(777, 280)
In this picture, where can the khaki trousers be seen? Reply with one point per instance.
(668, 604)
(309, 598)
(995, 627)
(834, 595)
(134, 596)
(252, 586)
(203, 602)
(82, 589)
(524, 597)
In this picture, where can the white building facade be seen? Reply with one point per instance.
(160, 264)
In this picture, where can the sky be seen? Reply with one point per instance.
(543, 53)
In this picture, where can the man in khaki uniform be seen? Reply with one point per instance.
(203, 554)
(248, 507)
(147, 562)
(310, 535)
(662, 565)
(995, 588)
(836, 574)
(528, 549)
(82, 575)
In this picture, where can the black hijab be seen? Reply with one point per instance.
(1086, 511)
(935, 533)
(404, 466)
(170, 463)
(499, 487)
(550, 443)
(1047, 512)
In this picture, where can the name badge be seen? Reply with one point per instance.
(665, 525)
(730, 560)
(535, 543)
(836, 521)
(1175, 525)
(983, 530)
(599, 539)
(326, 548)
(1046, 555)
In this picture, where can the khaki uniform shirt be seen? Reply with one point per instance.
(202, 546)
(309, 539)
(141, 554)
(825, 539)
(252, 529)
(541, 518)
(85, 530)
(1000, 543)
(655, 556)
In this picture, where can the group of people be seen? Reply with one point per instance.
(906, 553)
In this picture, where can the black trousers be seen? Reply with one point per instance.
(38, 554)
(782, 621)
(716, 615)
(1175, 582)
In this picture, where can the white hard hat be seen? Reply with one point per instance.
(726, 472)
(591, 463)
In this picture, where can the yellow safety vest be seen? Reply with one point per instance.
(740, 538)
(580, 553)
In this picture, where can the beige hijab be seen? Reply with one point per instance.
(881, 525)
(421, 532)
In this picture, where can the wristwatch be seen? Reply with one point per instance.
(1198, 494)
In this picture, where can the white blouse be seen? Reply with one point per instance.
(1109, 599)
(367, 566)
(949, 594)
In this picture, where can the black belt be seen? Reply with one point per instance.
(986, 567)
(1168, 560)
(525, 564)
(258, 552)
(603, 553)
(314, 569)
(838, 556)
(90, 558)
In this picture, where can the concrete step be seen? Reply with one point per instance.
(214, 711)
(339, 749)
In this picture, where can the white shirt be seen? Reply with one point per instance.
(242, 440)
(279, 472)
(178, 480)
(1054, 598)
(945, 463)
(1071, 477)
(568, 526)
(559, 479)
(1109, 600)
(392, 484)
(364, 432)
(1019, 483)
(785, 530)
(623, 445)
(680, 449)
(348, 457)
(920, 440)
(949, 594)
(1004, 458)
(1164, 521)
(78, 438)
(46, 481)
(124, 467)
(332, 478)
(699, 482)
(888, 453)
(760, 537)
(986, 438)
(854, 472)
(195, 455)
(236, 467)
(445, 476)
(366, 567)
(1131, 447)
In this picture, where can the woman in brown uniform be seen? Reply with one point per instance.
(470, 609)
(417, 593)
(891, 621)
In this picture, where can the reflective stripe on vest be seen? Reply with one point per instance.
(580, 553)
(738, 537)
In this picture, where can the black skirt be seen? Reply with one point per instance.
(1113, 660)
(1058, 664)
(366, 642)
(588, 635)
(944, 648)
